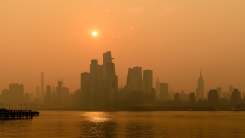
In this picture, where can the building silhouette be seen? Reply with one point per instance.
(152, 97)
(59, 90)
(231, 89)
(138, 87)
(192, 98)
(42, 84)
(16, 92)
(76, 99)
(219, 89)
(138, 78)
(130, 79)
(85, 88)
(236, 97)
(37, 92)
(213, 97)
(200, 88)
(171, 95)
(134, 79)
(47, 96)
(147, 81)
(176, 97)
(5, 97)
(92, 86)
(158, 89)
(94, 92)
(110, 79)
(99, 90)
(99, 87)
(65, 96)
(27, 97)
(163, 91)
(184, 96)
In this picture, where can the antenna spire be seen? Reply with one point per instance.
(200, 72)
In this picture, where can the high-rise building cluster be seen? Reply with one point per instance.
(14, 95)
(99, 87)
(99, 90)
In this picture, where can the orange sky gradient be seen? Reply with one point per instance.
(174, 38)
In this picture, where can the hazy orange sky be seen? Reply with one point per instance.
(174, 38)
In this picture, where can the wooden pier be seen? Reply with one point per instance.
(17, 114)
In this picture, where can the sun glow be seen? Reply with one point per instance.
(94, 33)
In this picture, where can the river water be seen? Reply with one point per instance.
(127, 124)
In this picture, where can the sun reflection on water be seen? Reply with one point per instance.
(97, 116)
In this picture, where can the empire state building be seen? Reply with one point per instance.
(200, 88)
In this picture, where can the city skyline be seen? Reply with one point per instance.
(137, 79)
(99, 90)
(174, 39)
(122, 68)
(42, 87)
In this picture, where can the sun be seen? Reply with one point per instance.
(94, 33)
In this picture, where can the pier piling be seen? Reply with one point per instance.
(17, 114)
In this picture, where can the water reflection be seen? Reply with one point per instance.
(127, 124)
(7, 127)
(98, 124)
(139, 129)
(97, 116)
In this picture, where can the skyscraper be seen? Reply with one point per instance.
(47, 97)
(100, 86)
(16, 92)
(200, 88)
(42, 84)
(99, 101)
(129, 81)
(219, 89)
(192, 98)
(59, 90)
(157, 88)
(138, 78)
(229, 93)
(213, 97)
(95, 91)
(108, 65)
(231, 89)
(37, 91)
(65, 92)
(163, 91)
(134, 79)
(176, 97)
(85, 88)
(236, 97)
(93, 77)
(110, 79)
(147, 80)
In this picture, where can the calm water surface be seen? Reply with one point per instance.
(127, 124)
